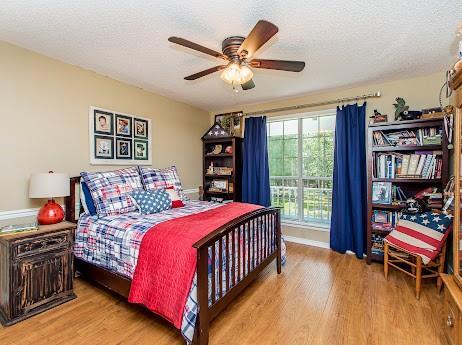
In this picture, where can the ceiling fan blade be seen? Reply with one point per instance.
(259, 35)
(249, 85)
(204, 73)
(198, 47)
(282, 65)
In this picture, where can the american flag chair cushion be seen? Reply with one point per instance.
(422, 234)
(161, 179)
(111, 190)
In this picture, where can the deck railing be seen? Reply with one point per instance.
(286, 192)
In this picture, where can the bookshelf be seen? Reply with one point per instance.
(422, 174)
(231, 160)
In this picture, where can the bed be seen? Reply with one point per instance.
(228, 259)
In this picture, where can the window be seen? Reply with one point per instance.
(301, 160)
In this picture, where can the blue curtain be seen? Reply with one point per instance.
(255, 172)
(349, 205)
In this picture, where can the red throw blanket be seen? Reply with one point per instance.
(167, 259)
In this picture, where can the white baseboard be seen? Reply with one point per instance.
(306, 242)
(191, 191)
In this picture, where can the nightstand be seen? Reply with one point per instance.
(36, 271)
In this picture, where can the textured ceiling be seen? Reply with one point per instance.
(344, 43)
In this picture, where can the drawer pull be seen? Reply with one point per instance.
(449, 321)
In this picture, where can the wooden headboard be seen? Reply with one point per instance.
(73, 206)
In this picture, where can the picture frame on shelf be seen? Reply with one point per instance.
(381, 193)
(220, 185)
(231, 122)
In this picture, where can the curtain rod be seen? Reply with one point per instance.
(310, 105)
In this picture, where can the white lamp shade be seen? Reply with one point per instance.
(49, 185)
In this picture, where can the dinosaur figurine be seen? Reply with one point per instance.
(400, 106)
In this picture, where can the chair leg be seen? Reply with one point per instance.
(385, 260)
(418, 277)
(442, 259)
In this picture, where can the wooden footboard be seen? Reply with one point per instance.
(243, 260)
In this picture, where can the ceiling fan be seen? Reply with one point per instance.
(238, 51)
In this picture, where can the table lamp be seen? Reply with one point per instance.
(49, 185)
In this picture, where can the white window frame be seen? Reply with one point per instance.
(300, 116)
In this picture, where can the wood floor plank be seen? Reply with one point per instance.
(321, 298)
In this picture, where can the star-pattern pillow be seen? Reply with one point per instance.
(152, 201)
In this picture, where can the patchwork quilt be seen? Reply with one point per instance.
(113, 242)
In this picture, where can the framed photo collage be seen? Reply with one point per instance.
(119, 139)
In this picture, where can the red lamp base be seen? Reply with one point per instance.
(50, 213)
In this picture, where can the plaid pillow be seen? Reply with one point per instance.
(161, 178)
(110, 190)
(150, 201)
(422, 234)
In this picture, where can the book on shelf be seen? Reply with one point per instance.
(417, 137)
(14, 228)
(377, 244)
(421, 164)
(385, 220)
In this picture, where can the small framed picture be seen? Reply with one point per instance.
(123, 148)
(141, 150)
(104, 147)
(123, 125)
(141, 128)
(231, 122)
(381, 193)
(380, 216)
(220, 184)
(103, 122)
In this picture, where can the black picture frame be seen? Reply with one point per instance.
(145, 144)
(98, 153)
(381, 193)
(136, 132)
(126, 145)
(128, 119)
(97, 115)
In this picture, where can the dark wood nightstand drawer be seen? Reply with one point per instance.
(42, 244)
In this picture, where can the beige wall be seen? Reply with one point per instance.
(419, 93)
(44, 122)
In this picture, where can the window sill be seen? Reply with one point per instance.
(308, 226)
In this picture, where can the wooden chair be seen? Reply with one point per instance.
(402, 259)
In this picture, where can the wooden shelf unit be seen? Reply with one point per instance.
(409, 185)
(230, 160)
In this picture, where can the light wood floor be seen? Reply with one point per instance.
(320, 298)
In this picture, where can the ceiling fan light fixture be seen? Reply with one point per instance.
(236, 74)
(231, 73)
(245, 74)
